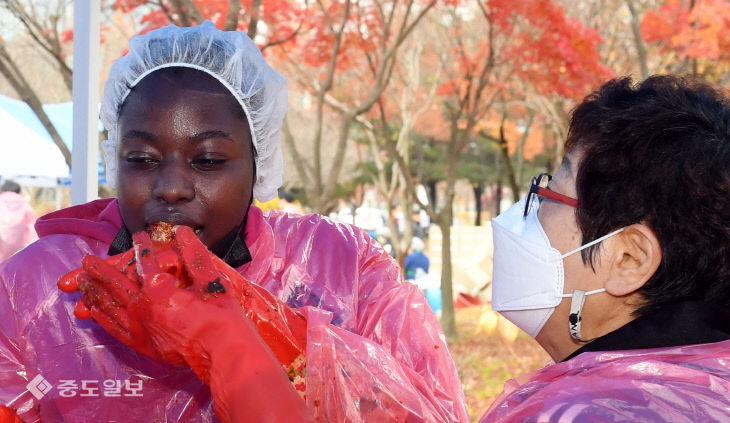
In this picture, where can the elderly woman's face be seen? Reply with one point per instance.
(185, 155)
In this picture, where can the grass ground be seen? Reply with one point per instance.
(485, 362)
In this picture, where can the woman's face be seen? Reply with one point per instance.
(185, 155)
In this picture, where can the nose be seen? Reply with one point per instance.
(174, 183)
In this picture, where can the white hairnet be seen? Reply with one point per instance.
(417, 244)
(230, 57)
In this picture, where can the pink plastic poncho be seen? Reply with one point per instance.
(678, 384)
(16, 223)
(373, 342)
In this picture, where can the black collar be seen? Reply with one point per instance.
(683, 323)
(234, 250)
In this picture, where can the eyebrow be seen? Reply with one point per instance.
(215, 133)
(135, 133)
(148, 136)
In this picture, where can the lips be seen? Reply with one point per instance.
(175, 218)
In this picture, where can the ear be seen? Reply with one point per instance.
(635, 257)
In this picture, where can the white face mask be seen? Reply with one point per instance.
(528, 277)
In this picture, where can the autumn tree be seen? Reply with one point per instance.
(281, 19)
(644, 37)
(690, 36)
(344, 61)
(44, 24)
(388, 129)
(490, 48)
(46, 27)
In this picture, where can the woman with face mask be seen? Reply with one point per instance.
(619, 264)
(194, 116)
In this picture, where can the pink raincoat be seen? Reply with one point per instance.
(16, 223)
(375, 350)
(686, 384)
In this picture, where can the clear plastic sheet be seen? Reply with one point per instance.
(375, 351)
(677, 384)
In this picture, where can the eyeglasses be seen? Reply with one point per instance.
(538, 188)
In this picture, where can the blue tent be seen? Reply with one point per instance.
(60, 114)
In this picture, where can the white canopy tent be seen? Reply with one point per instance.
(86, 74)
(61, 115)
(28, 157)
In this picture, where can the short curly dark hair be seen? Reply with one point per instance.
(658, 153)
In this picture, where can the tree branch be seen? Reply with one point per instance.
(10, 71)
(290, 36)
(299, 162)
(42, 39)
(285, 39)
(322, 90)
(166, 10)
(253, 23)
(640, 48)
(234, 9)
(187, 11)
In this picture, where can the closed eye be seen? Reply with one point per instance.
(208, 164)
(141, 161)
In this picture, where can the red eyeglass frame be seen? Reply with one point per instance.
(538, 187)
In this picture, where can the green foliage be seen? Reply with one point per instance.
(427, 159)
(477, 164)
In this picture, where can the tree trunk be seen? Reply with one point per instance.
(640, 48)
(9, 69)
(448, 321)
(402, 264)
(478, 190)
(234, 9)
(521, 146)
(446, 218)
(432, 193)
(395, 236)
(320, 202)
(510, 172)
(254, 22)
(503, 148)
(498, 198)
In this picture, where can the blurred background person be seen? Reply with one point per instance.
(420, 223)
(416, 269)
(17, 218)
(416, 260)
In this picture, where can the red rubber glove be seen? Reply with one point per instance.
(280, 327)
(187, 312)
(8, 415)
